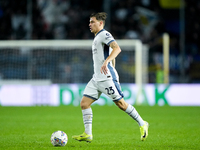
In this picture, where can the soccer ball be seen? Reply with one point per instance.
(59, 138)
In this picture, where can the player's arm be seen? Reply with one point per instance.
(116, 50)
(113, 62)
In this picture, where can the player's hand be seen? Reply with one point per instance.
(104, 68)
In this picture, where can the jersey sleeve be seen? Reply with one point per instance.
(107, 38)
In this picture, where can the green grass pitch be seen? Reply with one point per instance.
(24, 128)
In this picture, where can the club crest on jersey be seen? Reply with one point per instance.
(108, 36)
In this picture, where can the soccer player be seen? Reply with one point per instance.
(105, 79)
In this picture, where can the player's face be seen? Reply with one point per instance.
(95, 25)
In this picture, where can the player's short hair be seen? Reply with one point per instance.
(100, 16)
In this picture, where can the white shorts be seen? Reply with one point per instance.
(111, 88)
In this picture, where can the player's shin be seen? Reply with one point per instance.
(87, 120)
(131, 111)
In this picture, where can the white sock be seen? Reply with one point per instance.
(131, 111)
(87, 120)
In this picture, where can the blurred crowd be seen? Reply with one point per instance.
(128, 19)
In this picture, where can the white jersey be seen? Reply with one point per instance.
(101, 50)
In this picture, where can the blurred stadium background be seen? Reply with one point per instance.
(146, 20)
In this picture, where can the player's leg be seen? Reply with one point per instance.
(87, 114)
(131, 111)
(87, 120)
(90, 95)
(113, 90)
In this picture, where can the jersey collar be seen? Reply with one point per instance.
(100, 31)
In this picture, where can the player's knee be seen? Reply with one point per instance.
(84, 105)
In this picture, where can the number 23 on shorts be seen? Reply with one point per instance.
(110, 90)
